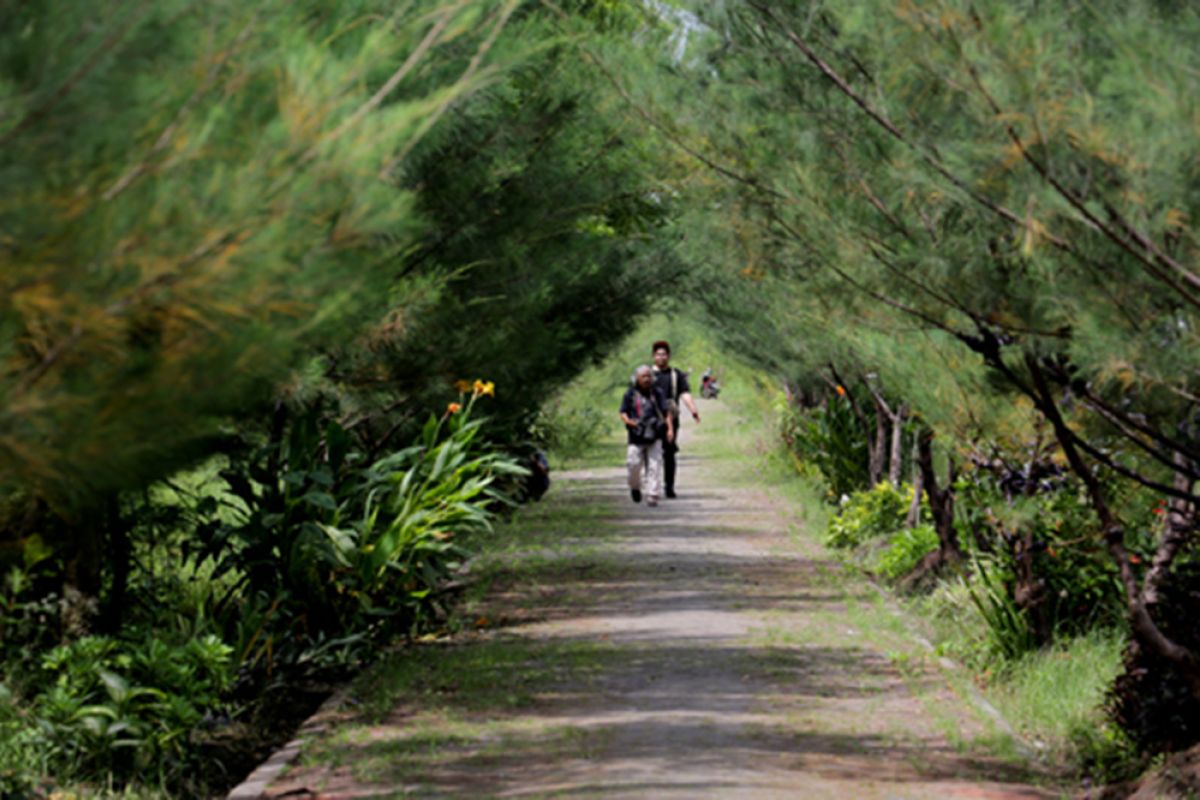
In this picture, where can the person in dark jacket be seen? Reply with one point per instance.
(648, 425)
(674, 385)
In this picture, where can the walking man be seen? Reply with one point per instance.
(674, 385)
(648, 425)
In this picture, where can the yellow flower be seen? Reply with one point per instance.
(485, 387)
(454, 408)
(463, 386)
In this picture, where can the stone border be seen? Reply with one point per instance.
(255, 785)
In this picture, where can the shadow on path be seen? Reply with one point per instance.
(687, 650)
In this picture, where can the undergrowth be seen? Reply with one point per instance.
(1055, 696)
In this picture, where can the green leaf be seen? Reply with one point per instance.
(320, 500)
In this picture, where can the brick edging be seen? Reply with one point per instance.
(256, 783)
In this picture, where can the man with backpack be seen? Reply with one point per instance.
(648, 426)
(674, 385)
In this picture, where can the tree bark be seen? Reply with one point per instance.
(82, 577)
(879, 441)
(881, 451)
(941, 500)
(914, 508)
(1178, 527)
(897, 462)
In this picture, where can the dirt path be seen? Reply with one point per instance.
(700, 649)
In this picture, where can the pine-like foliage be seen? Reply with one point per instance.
(987, 211)
(194, 194)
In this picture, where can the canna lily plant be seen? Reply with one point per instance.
(418, 502)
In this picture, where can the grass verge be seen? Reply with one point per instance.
(1055, 697)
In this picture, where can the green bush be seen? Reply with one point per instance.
(569, 430)
(419, 503)
(1079, 583)
(869, 515)
(333, 546)
(23, 755)
(832, 439)
(305, 568)
(100, 706)
(905, 550)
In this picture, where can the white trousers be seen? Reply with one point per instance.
(645, 465)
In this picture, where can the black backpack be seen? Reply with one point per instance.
(650, 427)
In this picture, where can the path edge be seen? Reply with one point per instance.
(975, 697)
(256, 783)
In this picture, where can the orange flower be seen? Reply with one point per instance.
(453, 408)
(485, 387)
(1134, 558)
(463, 386)
(841, 390)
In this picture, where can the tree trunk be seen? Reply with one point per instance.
(82, 576)
(879, 448)
(914, 508)
(897, 462)
(1179, 525)
(879, 442)
(941, 500)
(274, 495)
(1147, 632)
(121, 557)
(1029, 591)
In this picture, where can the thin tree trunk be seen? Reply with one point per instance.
(121, 555)
(879, 441)
(897, 445)
(941, 500)
(880, 449)
(897, 462)
(914, 508)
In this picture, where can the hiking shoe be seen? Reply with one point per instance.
(671, 494)
(636, 494)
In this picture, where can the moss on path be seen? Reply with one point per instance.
(705, 648)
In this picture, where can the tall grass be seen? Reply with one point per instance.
(1056, 696)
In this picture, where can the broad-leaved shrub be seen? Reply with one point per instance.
(868, 515)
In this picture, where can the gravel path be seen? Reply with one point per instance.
(700, 649)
